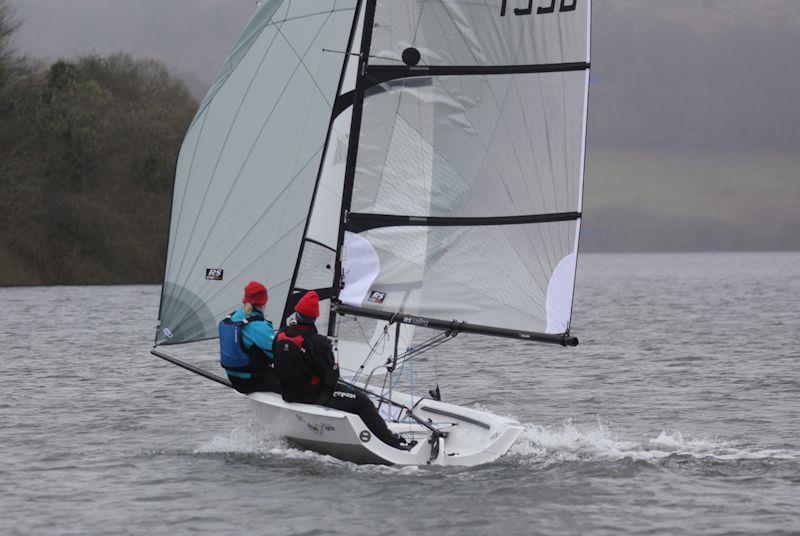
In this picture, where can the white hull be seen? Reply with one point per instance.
(473, 437)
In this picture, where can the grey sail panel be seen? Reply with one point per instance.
(249, 163)
(498, 145)
(489, 146)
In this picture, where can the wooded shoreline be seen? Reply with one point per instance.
(87, 155)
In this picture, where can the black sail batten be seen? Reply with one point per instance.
(359, 223)
(323, 293)
(379, 74)
(352, 150)
(338, 108)
(320, 244)
(563, 339)
(343, 101)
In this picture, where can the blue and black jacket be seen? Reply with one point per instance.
(246, 345)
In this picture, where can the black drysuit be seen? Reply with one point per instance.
(322, 386)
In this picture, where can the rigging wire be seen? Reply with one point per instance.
(436, 394)
(411, 379)
(382, 339)
(372, 56)
(426, 346)
(407, 357)
(399, 360)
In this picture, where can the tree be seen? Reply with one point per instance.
(9, 61)
(87, 155)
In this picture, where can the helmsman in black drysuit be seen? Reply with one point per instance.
(308, 374)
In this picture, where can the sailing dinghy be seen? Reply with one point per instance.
(418, 163)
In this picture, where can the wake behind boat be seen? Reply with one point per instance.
(419, 165)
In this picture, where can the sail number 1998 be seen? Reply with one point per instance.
(566, 5)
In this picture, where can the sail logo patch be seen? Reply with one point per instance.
(214, 274)
(377, 297)
(365, 436)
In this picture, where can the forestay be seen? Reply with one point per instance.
(249, 164)
(460, 183)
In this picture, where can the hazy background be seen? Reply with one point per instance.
(694, 128)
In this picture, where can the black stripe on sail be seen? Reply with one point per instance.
(342, 103)
(378, 74)
(320, 244)
(345, 100)
(564, 339)
(359, 222)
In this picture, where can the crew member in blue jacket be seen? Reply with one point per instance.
(245, 340)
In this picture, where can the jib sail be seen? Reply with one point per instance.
(249, 164)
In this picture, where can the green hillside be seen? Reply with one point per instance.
(685, 201)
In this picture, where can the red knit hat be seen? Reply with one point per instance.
(255, 293)
(308, 305)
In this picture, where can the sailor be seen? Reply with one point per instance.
(307, 370)
(245, 339)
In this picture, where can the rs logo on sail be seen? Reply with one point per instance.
(566, 5)
(214, 274)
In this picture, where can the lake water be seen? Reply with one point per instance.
(679, 413)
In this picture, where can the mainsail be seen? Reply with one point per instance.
(418, 161)
(462, 193)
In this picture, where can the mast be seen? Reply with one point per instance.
(352, 153)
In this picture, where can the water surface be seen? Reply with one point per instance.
(678, 413)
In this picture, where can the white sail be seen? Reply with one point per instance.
(497, 102)
(249, 165)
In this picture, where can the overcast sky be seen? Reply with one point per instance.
(672, 77)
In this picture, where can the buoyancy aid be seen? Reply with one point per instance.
(292, 361)
(234, 356)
